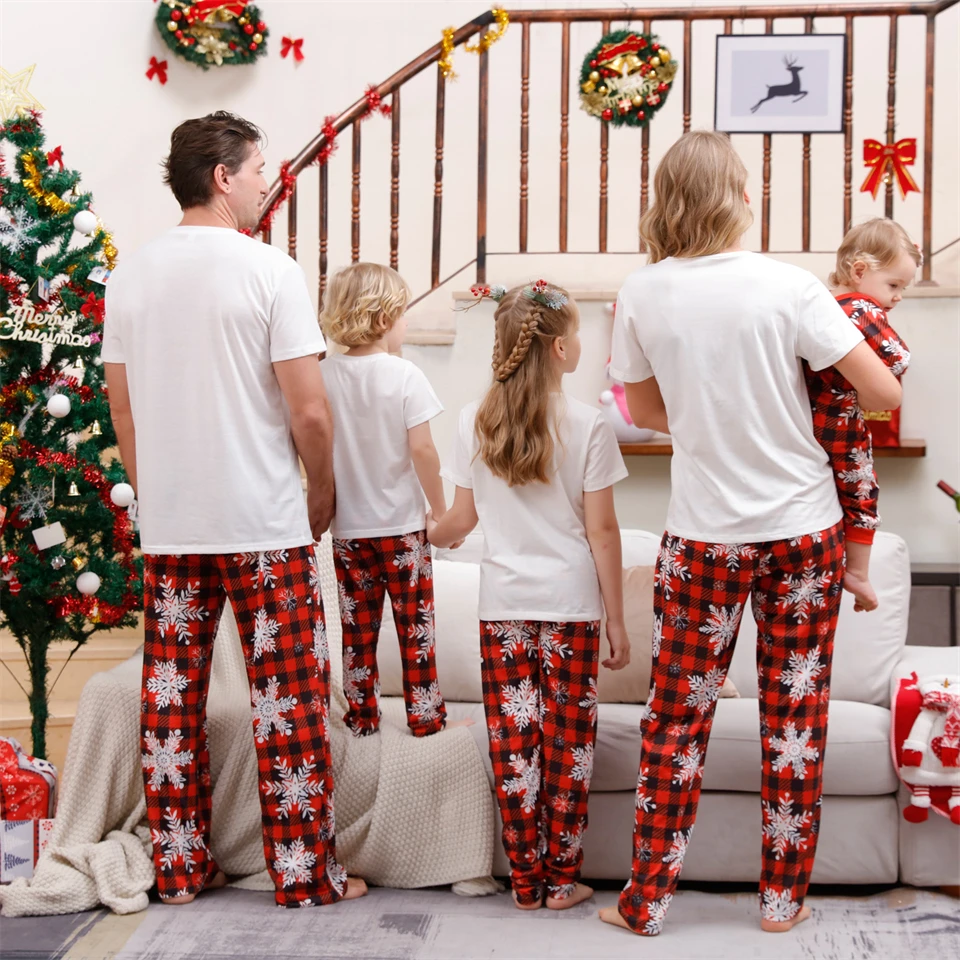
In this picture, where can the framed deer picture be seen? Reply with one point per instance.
(780, 83)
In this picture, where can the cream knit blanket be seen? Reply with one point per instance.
(410, 812)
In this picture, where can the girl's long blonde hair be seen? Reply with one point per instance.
(699, 206)
(513, 424)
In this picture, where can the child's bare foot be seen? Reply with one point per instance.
(459, 723)
(612, 916)
(865, 597)
(581, 892)
(356, 888)
(219, 880)
(526, 906)
(782, 926)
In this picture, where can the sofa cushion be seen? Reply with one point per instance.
(632, 683)
(857, 759)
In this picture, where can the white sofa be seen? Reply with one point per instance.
(863, 839)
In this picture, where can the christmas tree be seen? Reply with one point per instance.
(67, 533)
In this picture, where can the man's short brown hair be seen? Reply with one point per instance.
(198, 146)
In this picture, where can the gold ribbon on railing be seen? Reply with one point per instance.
(445, 63)
(502, 19)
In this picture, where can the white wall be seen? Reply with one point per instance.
(114, 126)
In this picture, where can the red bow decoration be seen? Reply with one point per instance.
(203, 7)
(295, 46)
(93, 305)
(55, 156)
(158, 69)
(899, 156)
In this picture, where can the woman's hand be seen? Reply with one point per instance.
(619, 646)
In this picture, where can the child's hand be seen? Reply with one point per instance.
(865, 597)
(431, 525)
(457, 543)
(619, 646)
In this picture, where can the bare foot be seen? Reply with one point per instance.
(581, 893)
(612, 916)
(459, 723)
(356, 888)
(782, 926)
(526, 906)
(219, 880)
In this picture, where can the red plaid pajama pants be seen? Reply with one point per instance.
(540, 701)
(276, 599)
(700, 591)
(400, 567)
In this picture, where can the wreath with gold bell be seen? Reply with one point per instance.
(211, 32)
(626, 77)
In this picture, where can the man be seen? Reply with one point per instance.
(210, 352)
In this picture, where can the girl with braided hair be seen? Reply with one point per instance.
(537, 469)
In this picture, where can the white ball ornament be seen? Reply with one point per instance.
(122, 494)
(88, 583)
(85, 222)
(58, 405)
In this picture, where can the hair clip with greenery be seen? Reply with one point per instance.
(551, 298)
(484, 291)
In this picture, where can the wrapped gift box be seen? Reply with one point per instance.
(21, 843)
(28, 786)
(884, 427)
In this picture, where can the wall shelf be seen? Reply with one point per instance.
(664, 448)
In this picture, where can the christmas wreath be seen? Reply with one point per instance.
(625, 78)
(209, 32)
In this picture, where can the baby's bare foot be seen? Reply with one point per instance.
(526, 906)
(782, 926)
(355, 888)
(581, 892)
(612, 916)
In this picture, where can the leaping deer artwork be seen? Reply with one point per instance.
(791, 89)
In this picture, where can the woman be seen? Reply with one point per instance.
(709, 338)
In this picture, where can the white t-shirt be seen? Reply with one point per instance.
(537, 563)
(198, 316)
(724, 336)
(376, 399)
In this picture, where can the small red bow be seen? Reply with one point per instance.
(375, 103)
(158, 69)
(203, 7)
(55, 156)
(895, 156)
(93, 305)
(294, 45)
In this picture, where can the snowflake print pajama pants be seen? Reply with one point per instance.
(700, 591)
(276, 599)
(401, 568)
(540, 701)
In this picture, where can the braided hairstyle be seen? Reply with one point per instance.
(515, 435)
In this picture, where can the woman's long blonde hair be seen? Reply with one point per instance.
(513, 423)
(699, 206)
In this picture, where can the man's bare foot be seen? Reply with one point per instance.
(612, 916)
(356, 888)
(782, 926)
(581, 893)
(526, 906)
(219, 880)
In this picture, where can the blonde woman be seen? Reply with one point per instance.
(538, 469)
(710, 340)
(384, 462)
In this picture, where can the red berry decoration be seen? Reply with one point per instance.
(249, 29)
(253, 46)
(641, 115)
(593, 63)
(655, 47)
(175, 14)
(663, 87)
(243, 33)
(179, 34)
(232, 45)
(607, 114)
(261, 26)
